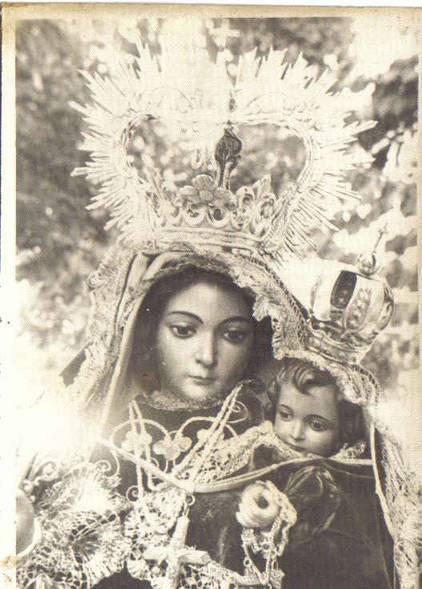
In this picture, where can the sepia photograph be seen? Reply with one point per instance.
(215, 357)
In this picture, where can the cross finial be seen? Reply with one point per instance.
(368, 263)
(174, 554)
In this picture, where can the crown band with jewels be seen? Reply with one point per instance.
(208, 119)
(204, 213)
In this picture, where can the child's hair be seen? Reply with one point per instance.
(304, 376)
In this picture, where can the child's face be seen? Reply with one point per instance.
(308, 422)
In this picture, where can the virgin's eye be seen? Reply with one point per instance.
(318, 426)
(182, 331)
(235, 336)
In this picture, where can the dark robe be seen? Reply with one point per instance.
(339, 541)
(352, 549)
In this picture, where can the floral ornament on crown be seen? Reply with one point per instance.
(205, 193)
(205, 202)
(206, 114)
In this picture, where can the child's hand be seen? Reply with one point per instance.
(259, 505)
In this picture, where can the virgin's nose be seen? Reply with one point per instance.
(206, 353)
(297, 430)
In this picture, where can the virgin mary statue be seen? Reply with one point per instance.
(169, 398)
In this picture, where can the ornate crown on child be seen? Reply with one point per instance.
(204, 106)
(347, 306)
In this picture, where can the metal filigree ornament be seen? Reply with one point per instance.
(81, 540)
(206, 113)
(157, 526)
(168, 481)
(90, 531)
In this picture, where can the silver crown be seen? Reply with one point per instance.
(254, 220)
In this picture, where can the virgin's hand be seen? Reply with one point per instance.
(25, 522)
(259, 506)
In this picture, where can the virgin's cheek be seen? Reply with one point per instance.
(169, 354)
(236, 357)
(233, 362)
(167, 343)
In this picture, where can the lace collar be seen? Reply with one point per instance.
(169, 401)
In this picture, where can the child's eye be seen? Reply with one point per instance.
(318, 426)
(235, 336)
(182, 331)
(284, 414)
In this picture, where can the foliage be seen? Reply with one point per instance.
(59, 242)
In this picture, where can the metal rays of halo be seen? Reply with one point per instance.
(197, 108)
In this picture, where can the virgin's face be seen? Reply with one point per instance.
(204, 342)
